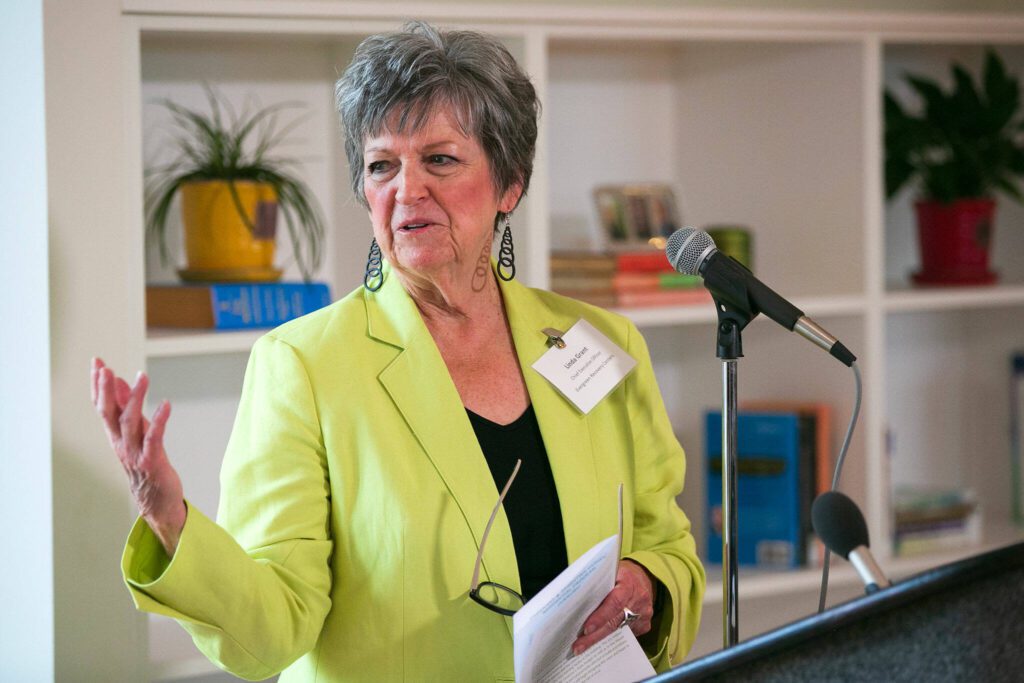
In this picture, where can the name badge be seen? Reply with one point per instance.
(586, 368)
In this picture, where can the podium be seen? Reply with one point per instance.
(963, 621)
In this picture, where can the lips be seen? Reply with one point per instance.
(414, 224)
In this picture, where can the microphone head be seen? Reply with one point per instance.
(838, 522)
(687, 249)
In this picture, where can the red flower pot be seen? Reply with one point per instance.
(955, 241)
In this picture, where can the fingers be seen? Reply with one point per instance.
(153, 444)
(120, 406)
(602, 621)
(632, 590)
(94, 377)
(122, 392)
(106, 404)
(132, 429)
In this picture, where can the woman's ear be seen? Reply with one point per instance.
(510, 200)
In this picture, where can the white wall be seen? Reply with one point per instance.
(98, 635)
(26, 630)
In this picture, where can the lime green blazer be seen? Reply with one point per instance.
(354, 495)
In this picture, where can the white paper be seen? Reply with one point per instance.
(546, 627)
(588, 368)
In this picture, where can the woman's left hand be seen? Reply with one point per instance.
(634, 590)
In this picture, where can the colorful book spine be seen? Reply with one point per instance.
(578, 263)
(631, 282)
(635, 282)
(663, 297)
(679, 280)
(939, 536)
(643, 262)
(816, 454)
(232, 306)
(624, 279)
(770, 532)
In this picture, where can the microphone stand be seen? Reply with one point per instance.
(733, 316)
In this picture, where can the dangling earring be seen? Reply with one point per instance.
(506, 253)
(374, 277)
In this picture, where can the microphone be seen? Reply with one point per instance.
(839, 523)
(693, 252)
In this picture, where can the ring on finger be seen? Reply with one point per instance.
(628, 617)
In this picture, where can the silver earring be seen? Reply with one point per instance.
(506, 253)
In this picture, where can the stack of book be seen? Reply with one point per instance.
(817, 466)
(624, 279)
(232, 306)
(932, 521)
(784, 462)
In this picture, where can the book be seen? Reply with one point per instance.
(630, 282)
(664, 297)
(675, 279)
(652, 261)
(232, 306)
(769, 528)
(586, 276)
(635, 282)
(916, 506)
(581, 262)
(626, 279)
(965, 534)
(816, 445)
(934, 520)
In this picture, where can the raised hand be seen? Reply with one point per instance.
(634, 590)
(139, 445)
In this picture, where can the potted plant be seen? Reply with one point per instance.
(231, 192)
(965, 145)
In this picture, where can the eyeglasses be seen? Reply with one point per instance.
(494, 596)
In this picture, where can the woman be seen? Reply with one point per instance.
(373, 435)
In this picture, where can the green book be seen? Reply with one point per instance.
(678, 280)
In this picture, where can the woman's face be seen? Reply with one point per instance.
(431, 197)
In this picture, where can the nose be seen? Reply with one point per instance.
(412, 185)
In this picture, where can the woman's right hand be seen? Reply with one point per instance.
(139, 445)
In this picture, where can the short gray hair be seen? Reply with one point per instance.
(410, 73)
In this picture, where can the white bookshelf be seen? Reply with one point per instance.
(166, 343)
(903, 299)
(766, 118)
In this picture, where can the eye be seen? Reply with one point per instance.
(441, 160)
(377, 168)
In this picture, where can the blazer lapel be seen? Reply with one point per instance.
(418, 382)
(564, 428)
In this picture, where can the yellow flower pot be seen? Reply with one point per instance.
(218, 243)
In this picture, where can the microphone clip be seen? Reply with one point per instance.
(733, 303)
(731, 321)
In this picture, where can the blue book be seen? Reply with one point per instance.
(769, 489)
(233, 306)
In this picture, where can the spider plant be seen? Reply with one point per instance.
(231, 147)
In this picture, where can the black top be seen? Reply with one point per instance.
(531, 505)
